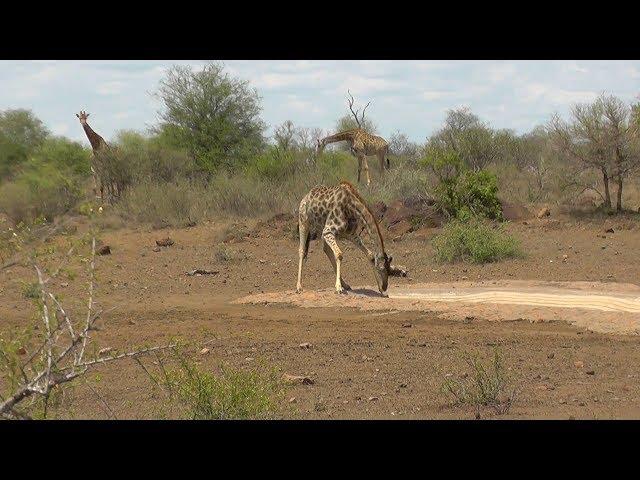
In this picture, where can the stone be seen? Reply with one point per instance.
(543, 212)
(104, 250)
(296, 379)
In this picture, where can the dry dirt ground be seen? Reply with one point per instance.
(388, 362)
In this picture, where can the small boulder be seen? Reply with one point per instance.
(543, 212)
(165, 242)
(296, 379)
(104, 250)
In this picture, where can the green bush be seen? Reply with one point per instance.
(63, 154)
(41, 190)
(461, 192)
(273, 164)
(231, 395)
(485, 386)
(474, 240)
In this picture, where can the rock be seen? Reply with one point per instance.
(543, 212)
(104, 250)
(407, 325)
(204, 351)
(305, 345)
(165, 242)
(551, 355)
(373, 399)
(401, 228)
(378, 209)
(156, 249)
(512, 212)
(590, 372)
(609, 230)
(578, 364)
(293, 400)
(296, 379)
(22, 351)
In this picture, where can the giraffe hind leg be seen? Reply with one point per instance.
(303, 250)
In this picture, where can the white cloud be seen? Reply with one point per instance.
(538, 92)
(110, 88)
(574, 67)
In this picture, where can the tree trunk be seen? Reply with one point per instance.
(607, 194)
(619, 163)
(619, 199)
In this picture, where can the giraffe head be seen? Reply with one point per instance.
(382, 267)
(83, 117)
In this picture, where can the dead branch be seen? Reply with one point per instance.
(61, 353)
(350, 102)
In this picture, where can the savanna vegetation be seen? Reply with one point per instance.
(209, 156)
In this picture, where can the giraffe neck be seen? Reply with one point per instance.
(96, 140)
(339, 137)
(369, 220)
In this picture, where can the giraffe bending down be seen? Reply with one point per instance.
(340, 212)
(362, 144)
(97, 145)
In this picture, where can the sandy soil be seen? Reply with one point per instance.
(389, 362)
(598, 307)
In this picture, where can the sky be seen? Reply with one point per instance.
(407, 96)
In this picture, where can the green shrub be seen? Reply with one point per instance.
(233, 394)
(461, 192)
(485, 386)
(273, 164)
(41, 190)
(474, 240)
(64, 154)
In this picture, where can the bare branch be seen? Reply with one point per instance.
(350, 101)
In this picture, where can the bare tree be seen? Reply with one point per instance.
(359, 121)
(601, 136)
(285, 135)
(61, 355)
(623, 141)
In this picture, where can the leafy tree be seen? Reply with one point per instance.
(21, 132)
(212, 115)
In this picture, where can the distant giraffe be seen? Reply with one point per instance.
(340, 212)
(98, 144)
(361, 145)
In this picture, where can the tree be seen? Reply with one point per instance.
(354, 119)
(600, 136)
(400, 145)
(21, 132)
(214, 116)
(285, 135)
(465, 134)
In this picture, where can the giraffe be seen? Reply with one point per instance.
(340, 212)
(361, 145)
(97, 145)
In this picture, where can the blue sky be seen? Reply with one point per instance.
(409, 96)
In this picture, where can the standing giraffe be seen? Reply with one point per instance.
(361, 145)
(97, 145)
(340, 212)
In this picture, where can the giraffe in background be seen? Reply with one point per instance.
(361, 142)
(97, 145)
(361, 145)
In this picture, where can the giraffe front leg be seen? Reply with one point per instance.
(330, 238)
(329, 253)
(366, 170)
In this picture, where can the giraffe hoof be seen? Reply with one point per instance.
(346, 286)
(341, 291)
(299, 290)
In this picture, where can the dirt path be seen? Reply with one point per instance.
(597, 307)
